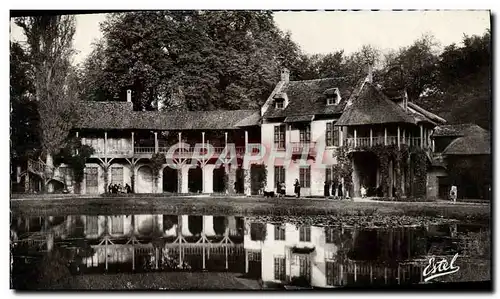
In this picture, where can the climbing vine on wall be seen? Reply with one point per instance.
(343, 168)
(258, 176)
(157, 161)
(75, 155)
(386, 154)
(419, 158)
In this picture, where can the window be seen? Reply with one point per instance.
(117, 175)
(305, 267)
(305, 234)
(279, 175)
(333, 98)
(328, 174)
(305, 176)
(332, 134)
(279, 136)
(91, 182)
(117, 224)
(279, 233)
(91, 225)
(330, 235)
(254, 256)
(330, 274)
(305, 134)
(279, 268)
(330, 100)
(280, 104)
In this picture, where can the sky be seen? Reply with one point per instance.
(320, 32)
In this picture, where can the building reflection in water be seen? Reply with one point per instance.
(277, 253)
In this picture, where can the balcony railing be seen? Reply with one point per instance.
(216, 151)
(379, 140)
(298, 147)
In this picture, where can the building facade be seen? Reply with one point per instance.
(297, 135)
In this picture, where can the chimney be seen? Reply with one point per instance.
(369, 76)
(129, 96)
(285, 75)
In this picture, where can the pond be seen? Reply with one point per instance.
(273, 252)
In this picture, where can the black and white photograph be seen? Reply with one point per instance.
(289, 150)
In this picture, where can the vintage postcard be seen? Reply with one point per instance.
(250, 150)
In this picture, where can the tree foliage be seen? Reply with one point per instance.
(75, 155)
(49, 48)
(24, 122)
(192, 60)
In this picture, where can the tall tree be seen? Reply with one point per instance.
(413, 67)
(208, 60)
(465, 82)
(49, 41)
(24, 125)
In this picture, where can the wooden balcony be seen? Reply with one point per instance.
(298, 147)
(147, 151)
(366, 142)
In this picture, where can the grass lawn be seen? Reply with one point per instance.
(242, 206)
(159, 281)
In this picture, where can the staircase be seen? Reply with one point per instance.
(39, 168)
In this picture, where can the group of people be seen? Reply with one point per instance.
(281, 189)
(335, 189)
(118, 188)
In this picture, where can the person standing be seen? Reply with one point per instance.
(340, 191)
(326, 189)
(297, 187)
(453, 193)
(363, 191)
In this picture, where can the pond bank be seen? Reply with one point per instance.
(244, 206)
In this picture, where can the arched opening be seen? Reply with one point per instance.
(365, 173)
(169, 221)
(169, 180)
(56, 186)
(144, 180)
(195, 180)
(218, 180)
(195, 224)
(239, 186)
(146, 224)
(220, 224)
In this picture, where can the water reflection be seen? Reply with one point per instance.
(278, 253)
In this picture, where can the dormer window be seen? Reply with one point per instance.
(280, 103)
(332, 96)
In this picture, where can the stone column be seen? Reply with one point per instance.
(208, 178)
(247, 182)
(355, 180)
(231, 178)
(208, 226)
(391, 179)
(185, 226)
(184, 179)
(269, 184)
(246, 261)
(179, 180)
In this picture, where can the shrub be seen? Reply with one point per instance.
(258, 231)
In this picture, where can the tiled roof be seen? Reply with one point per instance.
(309, 97)
(119, 115)
(458, 130)
(371, 106)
